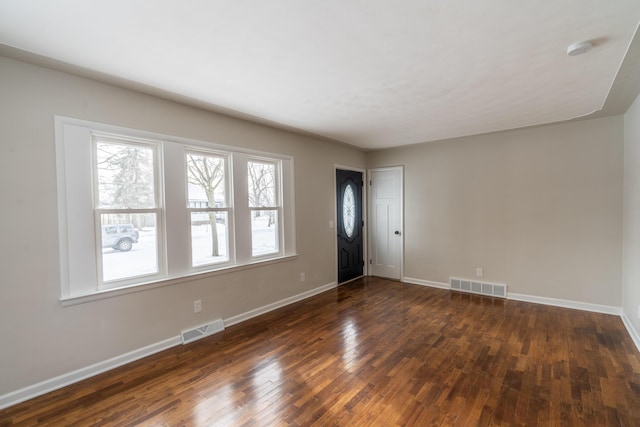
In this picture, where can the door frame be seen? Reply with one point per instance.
(369, 249)
(365, 200)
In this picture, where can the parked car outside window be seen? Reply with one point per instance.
(120, 237)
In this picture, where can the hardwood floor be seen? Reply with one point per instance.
(373, 352)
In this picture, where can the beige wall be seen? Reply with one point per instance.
(39, 338)
(631, 260)
(539, 209)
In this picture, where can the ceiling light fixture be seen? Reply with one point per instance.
(579, 48)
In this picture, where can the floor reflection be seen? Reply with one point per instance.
(268, 372)
(212, 411)
(350, 345)
(229, 405)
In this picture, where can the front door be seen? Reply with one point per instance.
(349, 224)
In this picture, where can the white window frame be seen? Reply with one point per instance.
(79, 271)
(157, 210)
(228, 189)
(277, 207)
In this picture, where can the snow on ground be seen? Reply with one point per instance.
(142, 258)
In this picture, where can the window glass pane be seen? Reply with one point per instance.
(129, 245)
(262, 184)
(206, 178)
(125, 176)
(264, 232)
(207, 246)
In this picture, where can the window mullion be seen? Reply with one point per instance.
(242, 213)
(127, 211)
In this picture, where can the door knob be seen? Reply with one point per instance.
(397, 232)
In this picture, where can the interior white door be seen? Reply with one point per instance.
(386, 222)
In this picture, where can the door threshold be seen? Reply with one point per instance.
(350, 280)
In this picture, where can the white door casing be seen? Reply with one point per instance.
(385, 222)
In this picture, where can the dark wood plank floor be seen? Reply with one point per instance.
(373, 352)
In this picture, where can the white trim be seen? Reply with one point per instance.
(69, 378)
(413, 281)
(635, 336)
(79, 255)
(109, 293)
(576, 305)
(159, 136)
(63, 380)
(234, 320)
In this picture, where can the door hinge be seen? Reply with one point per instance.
(363, 223)
(370, 262)
(370, 182)
(363, 262)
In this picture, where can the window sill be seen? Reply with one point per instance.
(109, 293)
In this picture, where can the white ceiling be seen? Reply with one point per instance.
(371, 73)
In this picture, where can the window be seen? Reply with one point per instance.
(126, 209)
(264, 205)
(143, 209)
(208, 208)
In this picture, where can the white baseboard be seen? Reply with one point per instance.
(429, 283)
(577, 305)
(69, 378)
(635, 336)
(597, 308)
(278, 304)
(52, 384)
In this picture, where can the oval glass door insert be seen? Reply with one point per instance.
(349, 210)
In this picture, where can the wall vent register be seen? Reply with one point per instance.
(481, 288)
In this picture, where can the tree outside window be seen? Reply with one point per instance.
(206, 178)
(264, 205)
(126, 209)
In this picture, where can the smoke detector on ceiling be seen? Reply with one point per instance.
(579, 48)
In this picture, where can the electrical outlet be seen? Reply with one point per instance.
(479, 272)
(303, 277)
(197, 306)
